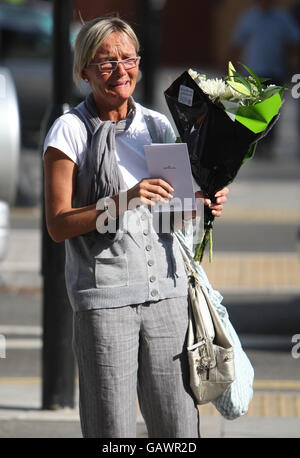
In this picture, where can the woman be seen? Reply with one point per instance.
(128, 291)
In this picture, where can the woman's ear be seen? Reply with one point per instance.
(84, 76)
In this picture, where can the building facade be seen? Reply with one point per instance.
(194, 32)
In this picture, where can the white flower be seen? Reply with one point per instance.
(193, 73)
(213, 87)
(216, 88)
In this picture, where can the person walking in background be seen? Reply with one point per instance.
(266, 38)
(128, 289)
(295, 12)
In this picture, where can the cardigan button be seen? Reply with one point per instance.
(150, 262)
(152, 279)
(154, 292)
(148, 247)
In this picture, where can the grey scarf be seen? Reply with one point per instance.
(102, 174)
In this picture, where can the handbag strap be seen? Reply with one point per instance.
(199, 301)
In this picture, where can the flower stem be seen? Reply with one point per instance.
(210, 245)
(200, 248)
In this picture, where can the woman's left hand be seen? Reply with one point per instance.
(220, 200)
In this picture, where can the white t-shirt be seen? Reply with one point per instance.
(67, 135)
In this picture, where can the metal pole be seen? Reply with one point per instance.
(58, 366)
(149, 34)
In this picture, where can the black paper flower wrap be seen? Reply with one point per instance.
(217, 145)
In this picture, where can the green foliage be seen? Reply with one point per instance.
(252, 86)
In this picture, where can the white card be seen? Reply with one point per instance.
(170, 161)
(186, 95)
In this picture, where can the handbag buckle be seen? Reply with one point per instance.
(207, 358)
(192, 279)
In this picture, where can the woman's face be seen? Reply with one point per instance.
(112, 89)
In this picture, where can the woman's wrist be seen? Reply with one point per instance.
(114, 205)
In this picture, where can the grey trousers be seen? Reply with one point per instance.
(129, 350)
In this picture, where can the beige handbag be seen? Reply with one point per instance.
(210, 352)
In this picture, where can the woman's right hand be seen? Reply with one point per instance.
(149, 190)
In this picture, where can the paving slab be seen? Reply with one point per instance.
(254, 271)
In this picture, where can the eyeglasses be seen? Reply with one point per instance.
(111, 65)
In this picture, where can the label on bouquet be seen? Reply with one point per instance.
(185, 95)
(170, 161)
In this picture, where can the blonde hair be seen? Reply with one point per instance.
(90, 37)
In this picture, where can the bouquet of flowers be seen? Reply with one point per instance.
(221, 120)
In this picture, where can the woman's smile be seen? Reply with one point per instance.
(119, 84)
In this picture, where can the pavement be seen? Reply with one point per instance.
(264, 193)
(272, 414)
